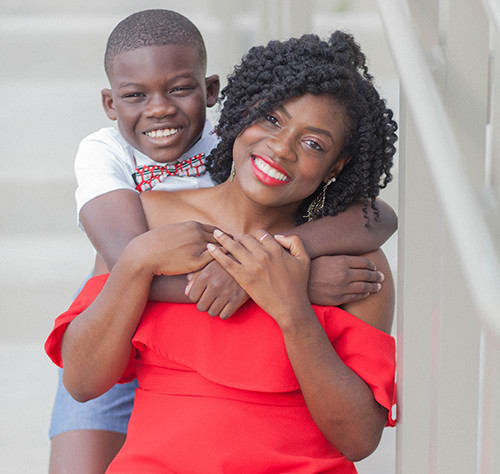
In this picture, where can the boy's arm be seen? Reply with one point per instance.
(111, 221)
(346, 232)
(339, 279)
(334, 279)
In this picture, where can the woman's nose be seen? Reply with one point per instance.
(160, 106)
(282, 145)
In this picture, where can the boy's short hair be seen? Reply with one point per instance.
(152, 28)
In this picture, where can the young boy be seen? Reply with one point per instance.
(155, 61)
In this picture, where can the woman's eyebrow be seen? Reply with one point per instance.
(287, 114)
(320, 130)
(312, 129)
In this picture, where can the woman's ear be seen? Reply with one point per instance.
(108, 104)
(213, 86)
(337, 167)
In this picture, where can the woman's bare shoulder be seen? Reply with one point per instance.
(169, 207)
(378, 308)
(160, 198)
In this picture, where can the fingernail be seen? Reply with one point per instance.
(189, 276)
(379, 286)
(263, 237)
(210, 247)
(188, 287)
(217, 233)
(382, 276)
(279, 236)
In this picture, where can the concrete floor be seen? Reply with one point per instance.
(50, 77)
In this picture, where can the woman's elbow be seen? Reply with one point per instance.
(361, 449)
(81, 397)
(356, 441)
(79, 391)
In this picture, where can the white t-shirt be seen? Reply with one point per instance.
(105, 162)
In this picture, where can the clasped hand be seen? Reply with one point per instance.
(274, 271)
(181, 248)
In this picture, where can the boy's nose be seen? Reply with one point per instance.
(159, 107)
(282, 145)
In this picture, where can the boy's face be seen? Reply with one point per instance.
(159, 96)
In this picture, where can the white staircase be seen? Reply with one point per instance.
(50, 76)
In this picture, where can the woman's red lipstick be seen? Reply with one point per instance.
(268, 172)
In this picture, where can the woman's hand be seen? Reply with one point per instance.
(273, 270)
(174, 249)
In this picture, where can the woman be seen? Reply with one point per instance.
(281, 386)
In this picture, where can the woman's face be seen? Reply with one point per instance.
(283, 158)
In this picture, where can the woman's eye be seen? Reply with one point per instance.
(314, 145)
(272, 119)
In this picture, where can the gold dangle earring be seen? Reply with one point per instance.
(233, 173)
(318, 202)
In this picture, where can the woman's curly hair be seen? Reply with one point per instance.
(270, 75)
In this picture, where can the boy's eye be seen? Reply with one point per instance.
(133, 95)
(180, 89)
(314, 145)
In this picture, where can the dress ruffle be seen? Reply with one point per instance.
(247, 351)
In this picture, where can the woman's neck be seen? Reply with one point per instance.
(238, 214)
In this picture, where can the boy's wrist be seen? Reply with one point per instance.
(137, 258)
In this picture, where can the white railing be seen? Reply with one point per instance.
(447, 53)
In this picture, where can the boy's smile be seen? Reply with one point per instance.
(159, 96)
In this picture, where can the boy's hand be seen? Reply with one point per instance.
(175, 248)
(342, 279)
(215, 291)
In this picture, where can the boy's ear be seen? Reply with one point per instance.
(108, 104)
(213, 86)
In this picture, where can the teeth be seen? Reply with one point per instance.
(269, 170)
(162, 133)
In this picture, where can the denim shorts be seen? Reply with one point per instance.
(110, 412)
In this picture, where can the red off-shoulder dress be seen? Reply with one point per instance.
(220, 396)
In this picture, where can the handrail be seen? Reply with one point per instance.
(493, 9)
(460, 204)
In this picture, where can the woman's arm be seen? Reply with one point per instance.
(340, 402)
(97, 344)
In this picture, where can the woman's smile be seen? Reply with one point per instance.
(283, 158)
(268, 172)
